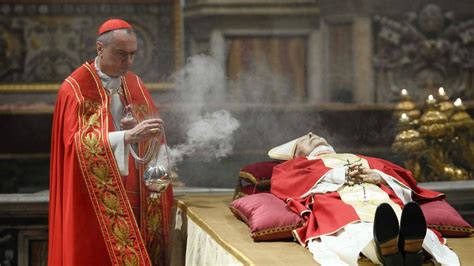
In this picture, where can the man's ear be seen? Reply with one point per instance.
(99, 47)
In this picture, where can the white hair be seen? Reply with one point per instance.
(107, 37)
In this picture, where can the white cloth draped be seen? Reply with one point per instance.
(121, 151)
(344, 247)
(116, 138)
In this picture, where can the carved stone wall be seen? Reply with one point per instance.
(422, 50)
(47, 41)
(385, 46)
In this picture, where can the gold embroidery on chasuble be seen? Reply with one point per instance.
(154, 228)
(122, 238)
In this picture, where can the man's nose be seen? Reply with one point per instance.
(129, 59)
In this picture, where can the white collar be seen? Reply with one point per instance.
(321, 149)
(112, 84)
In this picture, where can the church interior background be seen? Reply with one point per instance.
(283, 68)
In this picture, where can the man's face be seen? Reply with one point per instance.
(117, 57)
(308, 143)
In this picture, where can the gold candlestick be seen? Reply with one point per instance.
(460, 117)
(445, 105)
(433, 123)
(409, 142)
(407, 106)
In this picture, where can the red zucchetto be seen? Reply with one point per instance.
(113, 24)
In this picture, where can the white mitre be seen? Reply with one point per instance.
(285, 151)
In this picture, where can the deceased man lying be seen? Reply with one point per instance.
(355, 205)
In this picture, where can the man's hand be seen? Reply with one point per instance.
(370, 176)
(147, 129)
(358, 174)
(354, 170)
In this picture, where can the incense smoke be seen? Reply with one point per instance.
(209, 135)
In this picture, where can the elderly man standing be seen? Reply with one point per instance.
(352, 205)
(100, 209)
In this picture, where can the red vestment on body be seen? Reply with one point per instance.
(96, 216)
(326, 213)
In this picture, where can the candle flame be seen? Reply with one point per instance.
(430, 98)
(404, 92)
(404, 118)
(458, 102)
(441, 91)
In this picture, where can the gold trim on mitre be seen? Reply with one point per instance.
(285, 151)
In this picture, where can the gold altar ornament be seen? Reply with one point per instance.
(407, 106)
(445, 106)
(433, 123)
(460, 117)
(409, 141)
(441, 147)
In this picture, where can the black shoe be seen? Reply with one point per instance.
(386, 236)
(412, 233)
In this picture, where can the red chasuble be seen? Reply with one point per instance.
(326, 213)
(96, 216)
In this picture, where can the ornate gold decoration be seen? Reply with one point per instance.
(104, 189)
(445, 106)
(441, 146)
(433, 123)
(154, 228)
(407, 106)
(409, 141)
(462, 148)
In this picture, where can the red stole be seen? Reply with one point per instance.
(327, 213)
(92, 219)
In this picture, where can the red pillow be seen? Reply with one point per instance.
(258, 173)
(267, 216)
(441, 216)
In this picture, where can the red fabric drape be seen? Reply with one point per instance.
(95, 214)
(327, 213)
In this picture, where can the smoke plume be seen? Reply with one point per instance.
(209, 134)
